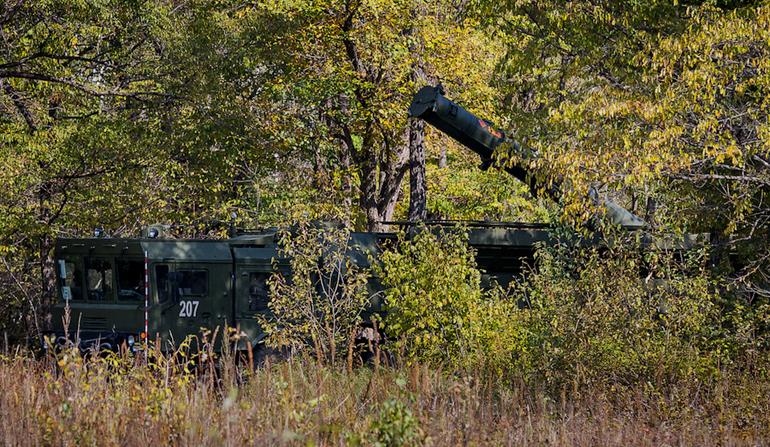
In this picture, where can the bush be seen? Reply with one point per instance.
(596, 316)
(319, 304)
(396, 426)
(437, 311)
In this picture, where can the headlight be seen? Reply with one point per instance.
(130, 340)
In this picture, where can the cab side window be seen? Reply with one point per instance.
(99, 279)
(259, 294)
(72, 280)
(130, 279)
(192, 282)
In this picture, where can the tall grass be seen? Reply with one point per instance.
(70, 400)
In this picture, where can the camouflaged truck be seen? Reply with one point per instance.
(195, 284)
(117, 292)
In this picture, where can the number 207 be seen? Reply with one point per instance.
(188, 309)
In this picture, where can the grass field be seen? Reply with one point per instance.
(75, 401)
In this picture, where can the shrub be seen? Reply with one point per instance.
(595, 315)
(603, 315)
(396, 426)
(437, 310)
(319, 304)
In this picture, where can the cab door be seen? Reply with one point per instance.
(190, 308)
(252, 296)
(128, 312)
(253, 268)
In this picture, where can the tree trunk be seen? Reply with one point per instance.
(347, 189)
(417, 185)
(416, 136)
(381, 188)
(368, 198)
(442, 158)
(45, 245)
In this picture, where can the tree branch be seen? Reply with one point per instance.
(80, 87)
(20, 106)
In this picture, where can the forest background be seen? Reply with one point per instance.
(120, 114)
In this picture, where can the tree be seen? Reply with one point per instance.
(119, 114)
(437, 310)
(349, 63)
(106, 124)
(67, 70)
(320, 302)
(662, 104)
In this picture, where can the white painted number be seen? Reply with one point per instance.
(188, 309)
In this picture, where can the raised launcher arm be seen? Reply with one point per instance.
(479, 136)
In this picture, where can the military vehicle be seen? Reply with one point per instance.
(123, 291)
(120, 292)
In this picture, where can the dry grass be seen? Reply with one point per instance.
(82, 402)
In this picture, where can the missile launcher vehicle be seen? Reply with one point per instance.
(122, 292)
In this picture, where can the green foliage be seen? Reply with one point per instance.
(396, 426)
(598, 317)
(592, 316)
(122, 113)
(343, 74)
(317, 303)
(119, 114)
(662, 103)
(437, 311)
(463, 192)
